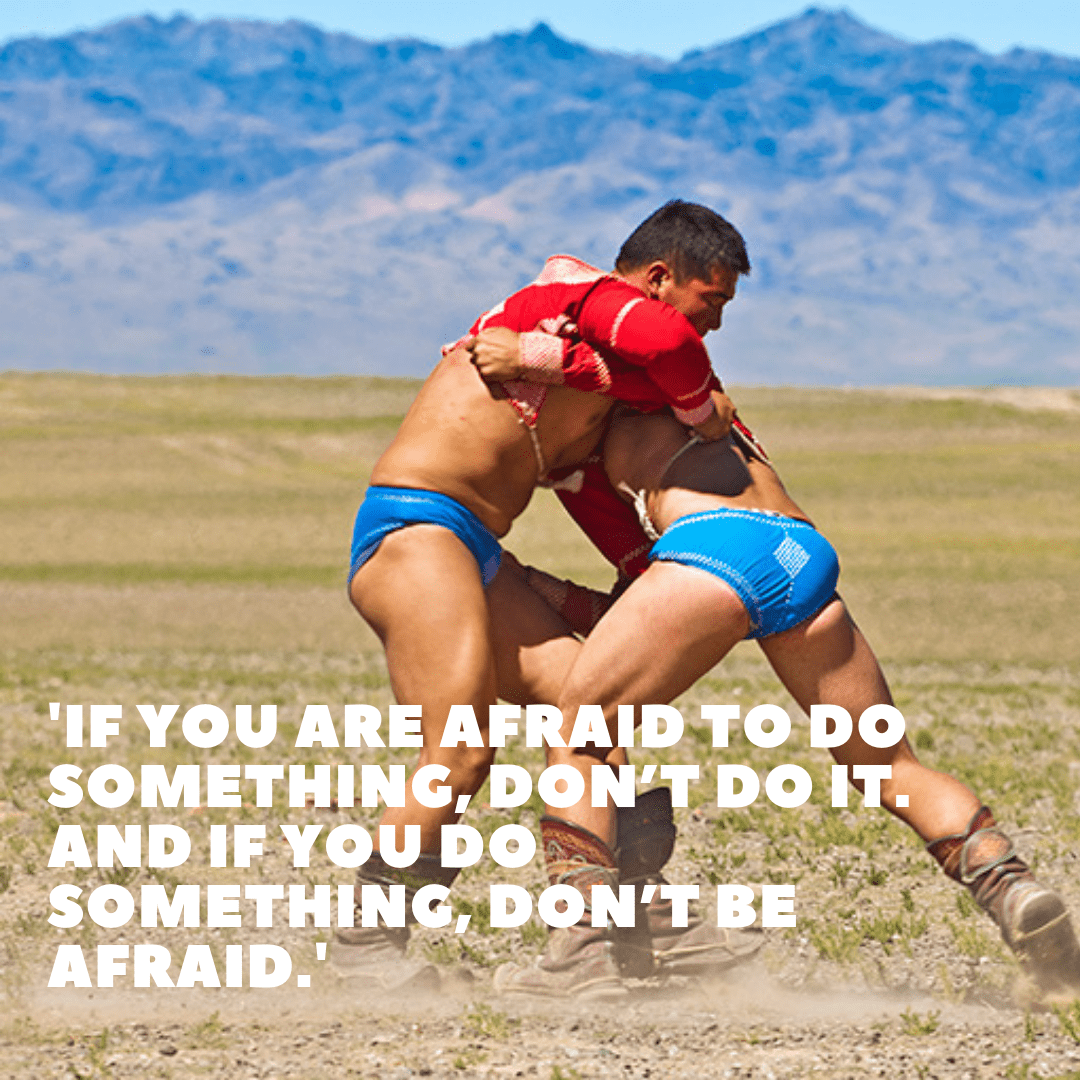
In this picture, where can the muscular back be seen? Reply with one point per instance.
(462, 439)
(646, 454)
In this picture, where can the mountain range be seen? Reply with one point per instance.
(267, 197)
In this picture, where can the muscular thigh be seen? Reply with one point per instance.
(669, 628)
(826, 660)
(421, 593)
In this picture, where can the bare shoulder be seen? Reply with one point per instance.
(638, 447)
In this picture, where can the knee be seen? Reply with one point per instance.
(560, 755)
(469, 767)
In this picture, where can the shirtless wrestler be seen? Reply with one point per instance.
(464, 464)
(735, 557)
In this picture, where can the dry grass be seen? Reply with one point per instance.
(215, 512)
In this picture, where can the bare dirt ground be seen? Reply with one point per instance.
(890, 970)
(748, 1027)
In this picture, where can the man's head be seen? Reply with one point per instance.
(688, 256)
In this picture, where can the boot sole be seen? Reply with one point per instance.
(1046, 944)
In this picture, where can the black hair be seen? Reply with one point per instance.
(692, 239)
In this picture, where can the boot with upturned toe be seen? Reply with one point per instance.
(1033, 920)
(579, 960)
(654, 946)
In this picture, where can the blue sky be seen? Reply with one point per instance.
(665, 29)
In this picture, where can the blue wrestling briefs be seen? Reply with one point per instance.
(387, 509)
(783, 570)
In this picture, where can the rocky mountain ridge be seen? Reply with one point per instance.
(225, 195)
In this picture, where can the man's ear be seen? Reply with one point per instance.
(656, 276)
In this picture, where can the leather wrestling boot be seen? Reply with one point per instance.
(578, 961)
(654, 945)
(696, 949)
(1033, 920)
(377, 954)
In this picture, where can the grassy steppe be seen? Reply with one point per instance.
(185, 540)
(215, 513)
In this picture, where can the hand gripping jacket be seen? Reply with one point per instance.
(594, 332)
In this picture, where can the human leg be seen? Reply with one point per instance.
(423, 595)
(534, 651)
(827, 660)
(534, 647)
(666, 630)
(670, 627)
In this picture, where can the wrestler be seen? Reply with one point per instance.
(734, 557)
(464, 464)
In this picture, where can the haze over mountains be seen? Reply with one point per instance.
(258, 197)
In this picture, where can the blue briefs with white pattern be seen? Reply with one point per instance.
(387, 509)
(783, 570)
